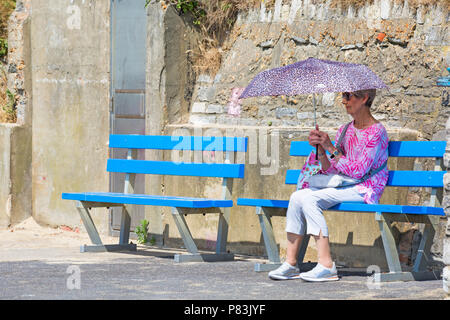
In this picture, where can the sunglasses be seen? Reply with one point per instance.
(348, 95)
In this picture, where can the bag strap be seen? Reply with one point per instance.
(341, 137)
(373, 172)
(369, 174)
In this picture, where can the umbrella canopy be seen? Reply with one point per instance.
(313, 76)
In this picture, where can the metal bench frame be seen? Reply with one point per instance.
(179, 209)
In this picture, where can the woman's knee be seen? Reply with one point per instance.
(299, 196)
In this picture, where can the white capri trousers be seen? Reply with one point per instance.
(304, 213)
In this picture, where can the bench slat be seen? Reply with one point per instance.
(179, 169)
(349, 206)
(421, 149)
(232, 144)
(142, 199)
(433, 179)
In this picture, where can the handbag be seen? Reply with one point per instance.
(339, 180)
(323, 180)
(311, 168)
(330, 181)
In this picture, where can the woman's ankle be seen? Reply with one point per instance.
(327, 263)
(292, 262)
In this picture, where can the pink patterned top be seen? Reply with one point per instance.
(364, 149)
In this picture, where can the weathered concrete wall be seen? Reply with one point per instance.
(169, 87)
(15, 174)
(70, 42)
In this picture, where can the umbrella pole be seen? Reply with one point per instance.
(315, 124)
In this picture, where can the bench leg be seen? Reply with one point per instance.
(222, 231)
(425, 246)
(271, 245)
(390, 248)
(224, 218)
(125, 222)
(302, 251)
(269, 242)
(83, 210)
(98, 246)
(186, 236)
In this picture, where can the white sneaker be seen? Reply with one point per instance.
(285, 272)
(320, 274)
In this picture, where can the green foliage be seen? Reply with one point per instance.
(142, 231)
(10, 107)
(185, 6)
(3, 47)
(6, 8)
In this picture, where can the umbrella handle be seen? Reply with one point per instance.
(317, 152)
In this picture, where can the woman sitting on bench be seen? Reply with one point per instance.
(360, 158)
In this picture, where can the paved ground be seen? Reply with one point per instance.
(150, 273)
(39, 262)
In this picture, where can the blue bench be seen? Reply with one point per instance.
(180, 205)
(384, 213)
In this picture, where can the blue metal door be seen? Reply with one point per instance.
(128, 56)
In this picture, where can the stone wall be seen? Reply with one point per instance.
(409, 59)
(446, 206)
(15, 164)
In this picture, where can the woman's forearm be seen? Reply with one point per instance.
(325, 162)
(323, 158)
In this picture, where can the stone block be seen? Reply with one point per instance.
(385, 8)
(205, 93)
(446, 253)
(308, 115)
(214, 108)
(204, 78)
(446, 281)
(447, 181)
(199, 107)
(283, 112)
(248, 122)
(201, 119)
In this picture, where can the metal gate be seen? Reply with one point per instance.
(128, 56)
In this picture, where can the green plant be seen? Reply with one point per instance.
(142, 231)
(3, 47)
(185, 6)
(10, 107)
